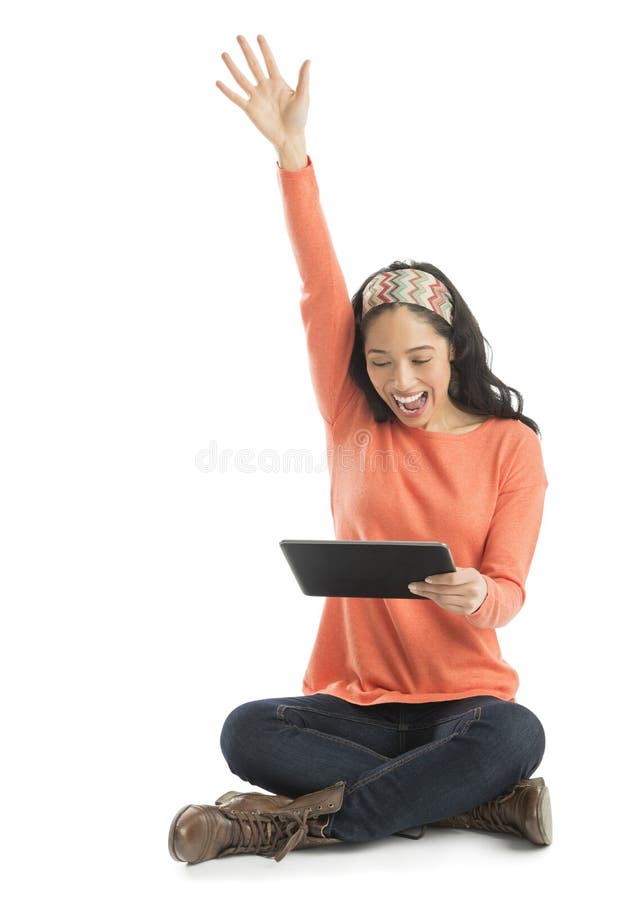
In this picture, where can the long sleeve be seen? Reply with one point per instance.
(481, 491)
(512, 536)
(325, 305)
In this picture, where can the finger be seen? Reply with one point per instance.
(251, 59)
(239, 101)
(453, 581)
(303, 78)
(442, 597)
(430, 587)
(450, 607)
(237, 75)
(457, 577)
(273, 69)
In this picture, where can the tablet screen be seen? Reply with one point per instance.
(364, 568)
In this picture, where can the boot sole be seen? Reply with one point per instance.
(544, 816)
(172, 832)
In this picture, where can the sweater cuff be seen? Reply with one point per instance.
(288, 172)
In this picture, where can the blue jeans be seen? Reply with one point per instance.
(404, 764)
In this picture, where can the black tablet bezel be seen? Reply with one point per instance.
(381, 569)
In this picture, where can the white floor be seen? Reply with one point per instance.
(110, 840)
(446, 863)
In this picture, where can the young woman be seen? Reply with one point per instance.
(408, 715)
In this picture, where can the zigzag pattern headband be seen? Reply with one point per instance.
(409, 286)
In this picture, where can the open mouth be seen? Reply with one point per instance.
(414, 405)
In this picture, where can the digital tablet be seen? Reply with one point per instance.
(364, 568)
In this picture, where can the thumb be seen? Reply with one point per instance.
(303, 78)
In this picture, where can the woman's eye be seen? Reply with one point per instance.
(419, 361)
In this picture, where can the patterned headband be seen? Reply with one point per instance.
(409, 286)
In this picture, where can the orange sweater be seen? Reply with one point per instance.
(481, 492)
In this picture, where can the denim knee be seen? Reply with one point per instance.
(238, 735)
(534, 740)
(518, 737)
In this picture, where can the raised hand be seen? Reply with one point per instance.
(279, 112)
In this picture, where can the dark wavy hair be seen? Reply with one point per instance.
(473, 387)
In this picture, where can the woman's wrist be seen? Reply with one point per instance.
(293, 153)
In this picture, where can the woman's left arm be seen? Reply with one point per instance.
(491, 597)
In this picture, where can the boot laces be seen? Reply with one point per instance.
(490, 815)
(268, 834)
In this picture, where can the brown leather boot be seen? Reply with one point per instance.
(257, 802)
(524, 811)
(252, 800)
(264, 802)
(198, 833)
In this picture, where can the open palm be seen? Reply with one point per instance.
(278, 111)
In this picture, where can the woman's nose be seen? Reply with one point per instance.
(404, 379)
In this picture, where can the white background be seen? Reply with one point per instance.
(148, 286)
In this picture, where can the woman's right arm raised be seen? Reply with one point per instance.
(280, 113)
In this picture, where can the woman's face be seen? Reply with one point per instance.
(405, 356)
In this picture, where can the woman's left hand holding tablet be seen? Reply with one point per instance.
(462, 591)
